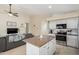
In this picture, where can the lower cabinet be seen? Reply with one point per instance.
(32, 49)
(72, 41)
(44, 49)
(47, 49)
(52, 47)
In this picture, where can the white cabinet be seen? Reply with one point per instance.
(62, 21)
(72, 41)
(52, 47)
(72, 22)
(44, 49)
(47, 49)
(52, 25)
(31, 49)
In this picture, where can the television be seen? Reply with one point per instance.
(12, 30)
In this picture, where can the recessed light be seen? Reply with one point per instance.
(50, 6)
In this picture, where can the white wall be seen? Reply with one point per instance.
(44, 27)
(19, 20)
(38, 25)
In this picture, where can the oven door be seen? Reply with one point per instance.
(61, 36)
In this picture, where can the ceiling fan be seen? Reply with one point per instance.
(10, 13)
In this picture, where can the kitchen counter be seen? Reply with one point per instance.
(73, 34)
(65, 35)
(37, 41)
(41, 46)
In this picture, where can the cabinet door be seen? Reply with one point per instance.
(52, 46)
(52, 25)
(62, 21)
(32, 49)
(44, 49)
(49, 48)
(72, 23)
(72, 41)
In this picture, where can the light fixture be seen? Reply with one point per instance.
(10, 14)
(50, 6)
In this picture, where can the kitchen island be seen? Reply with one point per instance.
(41, 46)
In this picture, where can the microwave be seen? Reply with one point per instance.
(61, 26)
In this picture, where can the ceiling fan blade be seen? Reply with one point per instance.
(15, 14)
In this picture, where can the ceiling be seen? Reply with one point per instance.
(40, 9)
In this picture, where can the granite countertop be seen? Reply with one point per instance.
(68, 34)
(37, 41)
(73, 34)
(65, 35)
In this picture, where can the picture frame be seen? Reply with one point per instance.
(11, 24)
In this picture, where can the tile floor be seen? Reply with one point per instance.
(64, 50)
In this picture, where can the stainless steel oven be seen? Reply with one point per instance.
(61, 34)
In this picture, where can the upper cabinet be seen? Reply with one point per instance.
(52, 25)
(72, 22)
(61, 21)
